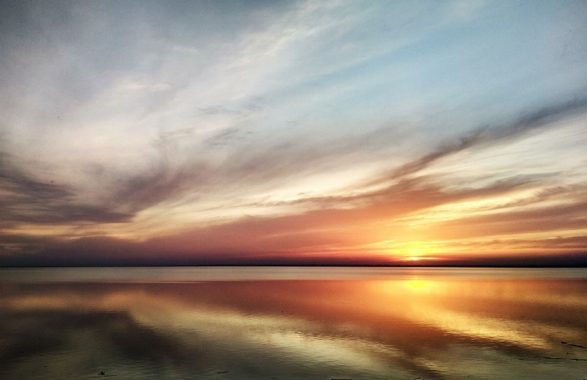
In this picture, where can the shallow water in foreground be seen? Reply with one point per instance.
(293, 323)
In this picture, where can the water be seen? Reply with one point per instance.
(293, 323)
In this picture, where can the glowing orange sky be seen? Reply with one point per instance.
(313, 132)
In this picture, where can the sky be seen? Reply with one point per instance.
(293, 132)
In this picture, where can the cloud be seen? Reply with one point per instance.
(270, 121)
(323, 223)
(324, 233)
(533, 121)
(568, 216)
(28, 200)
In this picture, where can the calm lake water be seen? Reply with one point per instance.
(293, 323)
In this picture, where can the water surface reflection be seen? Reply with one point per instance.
(293, 323)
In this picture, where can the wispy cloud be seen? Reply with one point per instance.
(217, 128)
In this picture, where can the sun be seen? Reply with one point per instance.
(414, 251)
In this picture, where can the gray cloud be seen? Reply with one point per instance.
(488, 135)
(29, 200)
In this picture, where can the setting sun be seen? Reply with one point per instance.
(414, 251)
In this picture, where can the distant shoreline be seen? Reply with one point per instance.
(298, 266)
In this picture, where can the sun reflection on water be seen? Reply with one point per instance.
(411, 323)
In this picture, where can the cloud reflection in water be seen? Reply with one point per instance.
(402, 325)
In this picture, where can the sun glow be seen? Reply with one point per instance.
(414, 251)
